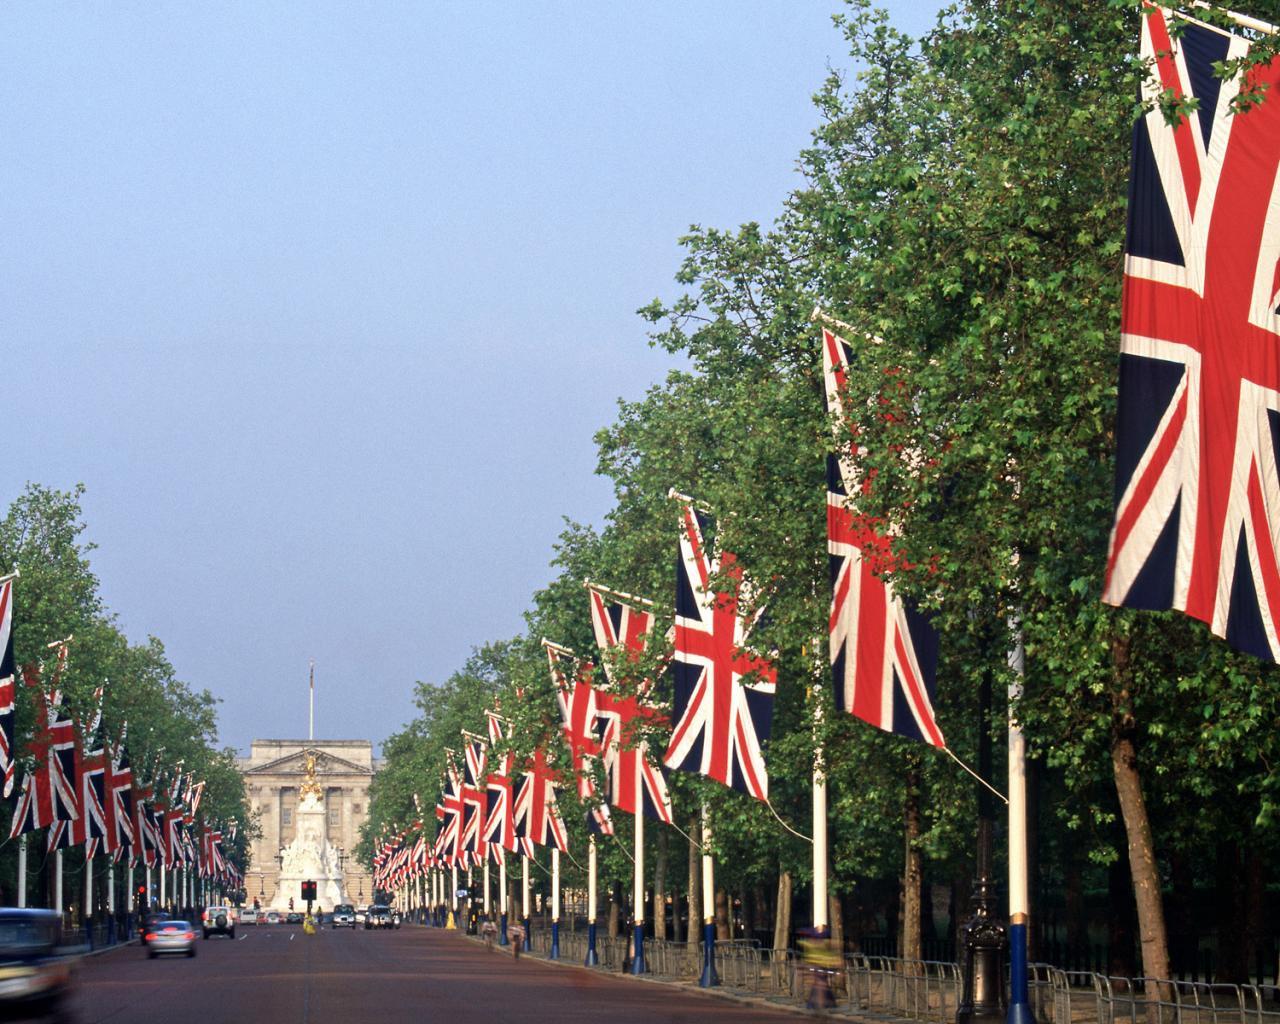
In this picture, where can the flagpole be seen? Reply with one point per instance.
(502, 901)
(57, 882)
(450, 923)
(524, 903)
(709, 978)
(821, 922)
(487, 904)
(88, 896)
(637, 888)
(592, 958)
(22, 870)
(1019, 902)
(554, 953)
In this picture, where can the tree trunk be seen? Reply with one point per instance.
(1137, 825)
(660, 887)
(1232, 963)
(615, 906)
(1255, 889)
(913, 873)
(835, 916)
(693, 933)
(782, 916)
(723, 931)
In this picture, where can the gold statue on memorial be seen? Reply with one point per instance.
(309, 785)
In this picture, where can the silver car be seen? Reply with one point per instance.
(171, 937)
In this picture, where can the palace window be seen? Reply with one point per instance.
(335, 814)
(286, 816)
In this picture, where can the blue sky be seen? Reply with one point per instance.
(323, 302)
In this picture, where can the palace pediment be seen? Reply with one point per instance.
(295, 763)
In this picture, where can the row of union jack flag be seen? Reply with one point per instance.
(1197, 497)
(76, 782)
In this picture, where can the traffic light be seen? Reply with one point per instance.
(308, 890)
(142, 894)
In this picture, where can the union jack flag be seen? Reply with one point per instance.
(582, 727)
(7, 678)
(117, 784)
(1197, 515)
(884, 654)
(450, 812)
(634, 779)
(537, 816)
(500, 821)
(48, 793)
(721, 721)
(475, 799)
(90, 826)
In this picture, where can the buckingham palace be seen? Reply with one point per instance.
(274, 772)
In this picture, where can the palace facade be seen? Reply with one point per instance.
(273, 772)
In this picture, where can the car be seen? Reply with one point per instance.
(344, 916)
(273, 917)
(149, 923)
(249, 916)
(218, 921)
(378, 917)
(35, 980)
(172, 936)
(293, 917)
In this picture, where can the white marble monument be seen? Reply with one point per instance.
(310, 857)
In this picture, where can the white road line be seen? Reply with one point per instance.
(243, 937)
(291, 936)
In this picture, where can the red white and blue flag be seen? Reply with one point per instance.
(884, 653)
(635, 779)
(475, 800)
(500, 820)
(8, 680)
(48, 793)
(576, 698)
(723, 692)
(1197, 500)
(537, 816)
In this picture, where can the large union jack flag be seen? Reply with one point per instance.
(500, 820)
(635, 780)
(1197, 521)
(884, 654)
(8, 675)
(475, 799)
(721, 721)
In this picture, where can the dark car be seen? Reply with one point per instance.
(35, 980)
(377, 917)
(295, 917)
(149, 923)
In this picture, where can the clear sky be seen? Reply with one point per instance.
(323, 302)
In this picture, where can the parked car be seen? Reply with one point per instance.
(249, 916)
(172, 937)
(273, 917)
(378, 917)
(218, 921)
(34, 979)
(293, 917)
(344, 916)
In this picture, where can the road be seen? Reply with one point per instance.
(279, 975)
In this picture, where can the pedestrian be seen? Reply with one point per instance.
(490, 932)
(515, 932)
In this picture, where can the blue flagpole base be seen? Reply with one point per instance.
(709, 978)
(502, 931)
(637, 947)
(593, 959)
(528, 930)
(1019, 997)
(554, 953)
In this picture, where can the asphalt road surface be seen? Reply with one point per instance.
(278, 975)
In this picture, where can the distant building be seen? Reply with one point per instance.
(273, 771)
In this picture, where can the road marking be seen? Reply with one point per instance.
(291, 936)
(243, 937)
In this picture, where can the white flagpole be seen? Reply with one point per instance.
(592, 957)
(554, 953)
(487, 904)
(820, 899)
(502, 900)
(57, 881)
(88, 889)
(22, 870)
(524, 902)
(453, 896)
(637, 887)
(1019, 901)
(128, 892)
(708, 978)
